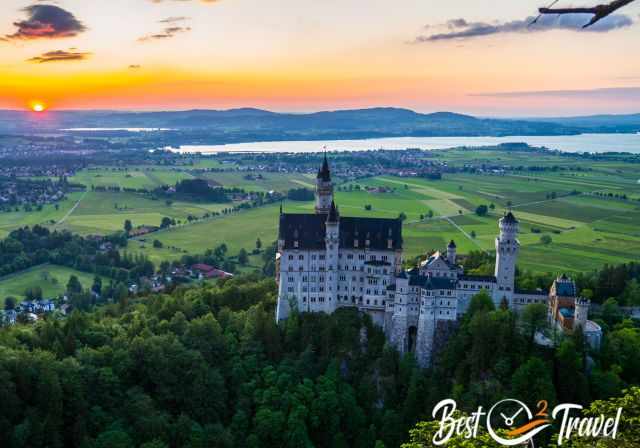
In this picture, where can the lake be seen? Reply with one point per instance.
(592, 143)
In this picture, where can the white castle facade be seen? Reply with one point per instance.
(325, 262)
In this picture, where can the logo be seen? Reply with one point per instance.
(510, 422)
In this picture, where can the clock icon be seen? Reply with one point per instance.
(510, 422)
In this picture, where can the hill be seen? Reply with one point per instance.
(259, 124)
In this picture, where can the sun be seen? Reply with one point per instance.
(38, 107)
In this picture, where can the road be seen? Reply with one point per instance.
(73, 209)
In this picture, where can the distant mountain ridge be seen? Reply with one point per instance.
(251, 124)
(602, 123)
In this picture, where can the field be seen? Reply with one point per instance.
(586, 229)
(51, 278)
(103, 212)
(150, 178)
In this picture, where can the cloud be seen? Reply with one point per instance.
(170, 31)
(174, 19)
(46, 22)
(622, 93)
(458, 29)
(167, 33)
(59, 56)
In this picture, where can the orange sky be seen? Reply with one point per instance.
(307, 55)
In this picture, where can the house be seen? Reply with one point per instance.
(205, 271)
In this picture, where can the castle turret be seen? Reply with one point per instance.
(507, 248)
(451, 253)
(426, 329)
(581, 313)
(324, 188)
(400, 319)
(332, 245)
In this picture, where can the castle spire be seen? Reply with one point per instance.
(324, 173)
(333, 213)
(324, 188)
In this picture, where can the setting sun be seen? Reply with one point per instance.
(37, 107)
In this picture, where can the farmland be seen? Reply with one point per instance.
(579, 208)
(51, 278)
(586, 231)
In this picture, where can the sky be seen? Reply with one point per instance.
(470, 56)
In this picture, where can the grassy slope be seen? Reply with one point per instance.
(51, 278)
(587, 231)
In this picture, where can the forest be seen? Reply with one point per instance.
(27, 247)
(208, 366)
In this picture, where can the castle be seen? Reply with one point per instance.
(326, 261)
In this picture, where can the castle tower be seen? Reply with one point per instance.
(400, 318)
(283, 307)
(507, 247)
(451, 253)
(332, 245)
(581, 313)
(426, 331)
(324, 188)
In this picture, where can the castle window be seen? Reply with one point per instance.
(295, 244)
(322, 256)
(304, 300)
(300, 257)
(290, 257)
(290, 289)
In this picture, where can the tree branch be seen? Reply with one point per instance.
(599, 12)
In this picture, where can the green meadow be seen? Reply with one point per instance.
(586, 230)
(51, 278)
